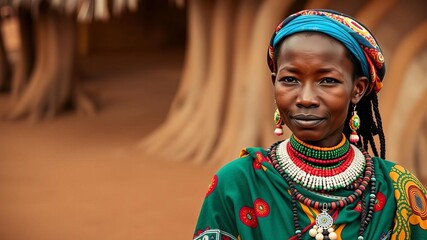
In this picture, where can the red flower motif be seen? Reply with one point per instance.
(358, 207)
(256, 164)
(259, 160)
(225, 238)
(262, 209)
(248, 217)
(380, 202)
(213, 184)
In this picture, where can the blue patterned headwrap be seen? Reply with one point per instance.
(352, 34)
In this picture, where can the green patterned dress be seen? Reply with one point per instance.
(248, 199)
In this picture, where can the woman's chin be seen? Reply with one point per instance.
(308, 135)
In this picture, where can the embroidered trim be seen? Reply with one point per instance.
(214, 234)
(385, 236)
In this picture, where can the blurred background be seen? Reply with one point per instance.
(115, 114)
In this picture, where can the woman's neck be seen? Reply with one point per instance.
(321, 153)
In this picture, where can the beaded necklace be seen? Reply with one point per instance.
(318, 152)
(313, 177)
(322, 228)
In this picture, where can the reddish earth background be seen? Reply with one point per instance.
(83, 177)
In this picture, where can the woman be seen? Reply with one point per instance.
(320, 183)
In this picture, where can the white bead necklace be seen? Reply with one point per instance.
(298, 175)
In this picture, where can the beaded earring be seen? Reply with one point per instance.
(279, 123)
(354, 126)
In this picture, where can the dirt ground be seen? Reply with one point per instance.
(83, 177)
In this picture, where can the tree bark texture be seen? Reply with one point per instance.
(26, 56)
(5, 67)
(192, 80)
(226, 148)
(202, 123)
(51, 83)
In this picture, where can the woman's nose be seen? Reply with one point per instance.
(307, 96)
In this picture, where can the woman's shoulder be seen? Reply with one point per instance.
(410, 198)
(232, 176)
(383, 164)
(390, 167)
(244, 164)
(399, 175)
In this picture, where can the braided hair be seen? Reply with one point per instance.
(370, 124)
(370, 117)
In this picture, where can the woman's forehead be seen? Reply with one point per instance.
(312, 43)
(315, 53)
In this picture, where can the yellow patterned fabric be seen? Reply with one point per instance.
(411, 199)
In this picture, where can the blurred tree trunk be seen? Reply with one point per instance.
(25, 61)
(193, 76)
(197, 130)
(45, 78)
(5, 68)
(51, 84)
(245, 17)
(197, 140)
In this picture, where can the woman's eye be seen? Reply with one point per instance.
(288, 80)
(329, 80)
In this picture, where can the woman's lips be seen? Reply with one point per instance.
(307, 121)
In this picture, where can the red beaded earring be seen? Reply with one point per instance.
(279, 123)
(354, 126)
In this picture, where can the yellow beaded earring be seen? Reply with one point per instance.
(354, 126)
(279, 123)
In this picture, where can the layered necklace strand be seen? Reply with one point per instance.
(345, 168)
(321, 177)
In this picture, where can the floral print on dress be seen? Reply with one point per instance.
(418, 203)
(256, 164)
(262, 209)
(248, 217)
(212, 185)
(258, 160)
(380, 201)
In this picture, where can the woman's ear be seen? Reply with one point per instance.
(273, 78)
(360, 86)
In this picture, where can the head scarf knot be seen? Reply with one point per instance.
(352, 34)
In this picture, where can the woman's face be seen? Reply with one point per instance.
(314, 86)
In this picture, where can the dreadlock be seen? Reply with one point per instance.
(370, 117)
(370, 124)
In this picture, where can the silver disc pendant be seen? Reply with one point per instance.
(324, 220)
